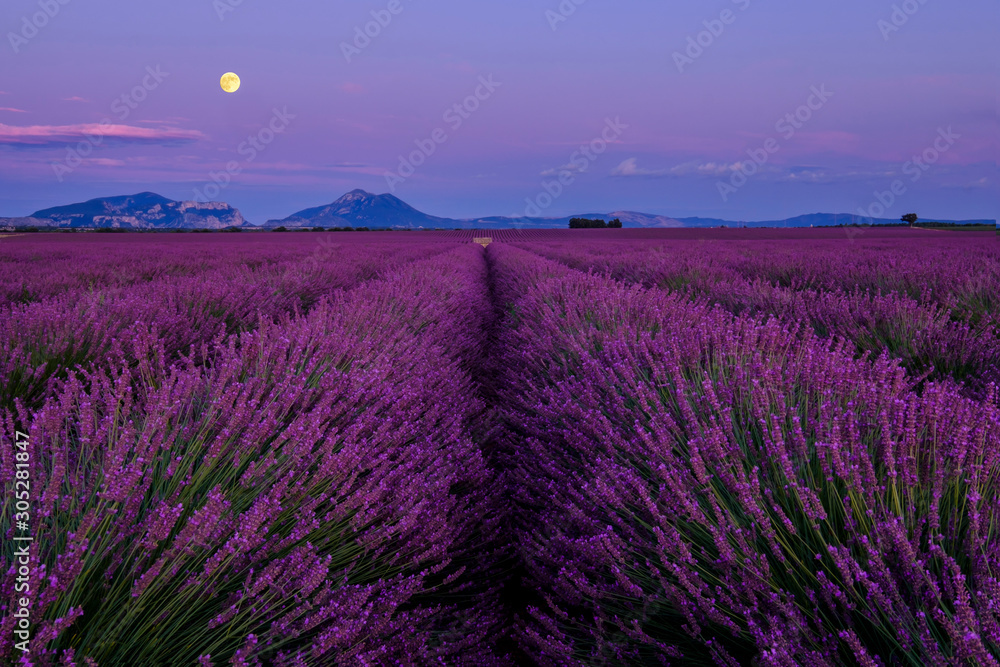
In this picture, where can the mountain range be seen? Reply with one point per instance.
(150, 211)
(146, 210)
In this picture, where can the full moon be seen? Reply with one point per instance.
(230, 82)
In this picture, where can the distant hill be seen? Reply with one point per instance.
(362, 209)
(146, 210)
(150, 211)
(813, 220)
(359, 208)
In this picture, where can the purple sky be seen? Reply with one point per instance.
(688, 132)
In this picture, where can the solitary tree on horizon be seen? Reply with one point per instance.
(910, 218)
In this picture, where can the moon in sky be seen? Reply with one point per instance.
(230, 82)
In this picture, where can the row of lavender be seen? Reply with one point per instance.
(274, 454)
(302, 490)
(693, 486)
(930, 301)
(93, 304)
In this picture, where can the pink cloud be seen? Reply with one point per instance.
(74, 99)
(104, 162)
(12, 109)
(57, 135)
(349, 168)
(352, 88)
(830, 141)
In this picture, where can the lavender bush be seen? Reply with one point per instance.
(208, 299)
(697, 486)
(929, 304)
(735, 447)
(305, 495)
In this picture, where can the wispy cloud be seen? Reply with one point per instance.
(75, 99)
(981, 184)
(352, 88)
(630, 167)
(357, 168)
(103, 162)
(709, 169)
(572, 168)
(41, 136)
(720, 169)
(13, 109)
(170, 122)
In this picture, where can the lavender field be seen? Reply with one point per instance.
(622, 447)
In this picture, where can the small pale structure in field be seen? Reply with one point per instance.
(483, 240)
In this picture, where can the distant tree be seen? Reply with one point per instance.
(319, 229)
(615, 224)
(910, 219)
(586, 223)
(233, 229)
(280, 229)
